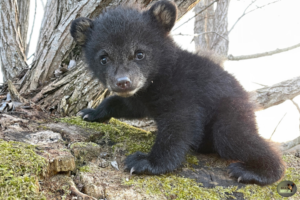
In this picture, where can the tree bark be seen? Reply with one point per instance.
(211, 27)
(24, 8)
(70, 93)
(276, 94)
(76, 89)
(12, 51)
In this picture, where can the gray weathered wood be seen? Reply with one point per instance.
(12, 52)
(276, 94)
(24, 8)
(211, 26)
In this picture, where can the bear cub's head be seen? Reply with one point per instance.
(125, 47)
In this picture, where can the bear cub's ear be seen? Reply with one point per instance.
(164, 13)
(79, 28)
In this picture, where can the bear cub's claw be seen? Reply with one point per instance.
(138, 163)
(246, 174)
(87, 114)
(91, 115)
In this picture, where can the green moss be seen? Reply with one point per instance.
(191, 160)
(85, 152)
(19, 169)
(125, 136)
(172, 186)
(131, 138)
(176, 187)
(83, 144)
(43, 127)
(85, 169)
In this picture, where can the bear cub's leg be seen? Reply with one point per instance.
(117, 107)
(235, 137)
(171, 145)
(172, 141)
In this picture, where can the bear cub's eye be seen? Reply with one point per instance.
(103, 60)
(139, 55)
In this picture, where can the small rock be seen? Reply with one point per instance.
(103, 163)
(85, 151)
(72, 64)
(10, 107)
(8, 97)
(114, 164)
(93, 190)
(60, 159)
(42, 137)
(63, 163)
(103, 155)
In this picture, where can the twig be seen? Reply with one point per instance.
(181, 34)
(76, 192)
(298, 108)
(32, 27)
(258, 55)
(260, 84)
(277, 125)
(258, 7)
(30, 56)
(245, 12)
(43, 4)
(196, 15)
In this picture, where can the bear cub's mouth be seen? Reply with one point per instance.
(127, 93)
(126, 87)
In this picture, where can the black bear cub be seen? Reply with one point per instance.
(196, 104)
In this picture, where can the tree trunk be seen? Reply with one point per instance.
(76, 89)
(24, 7)
(12, 49)
(211, 27)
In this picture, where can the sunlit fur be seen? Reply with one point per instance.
(196, 104)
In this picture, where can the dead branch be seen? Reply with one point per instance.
(276, 94)
(212, 3)
(297, 106)
(290, 144)
(14, 93)
(250, 11)
(76, 192)
(277, 126)
(258, 55)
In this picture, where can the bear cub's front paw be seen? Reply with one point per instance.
(138, 163)
(91, 115)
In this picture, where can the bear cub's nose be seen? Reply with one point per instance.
(123, 83)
